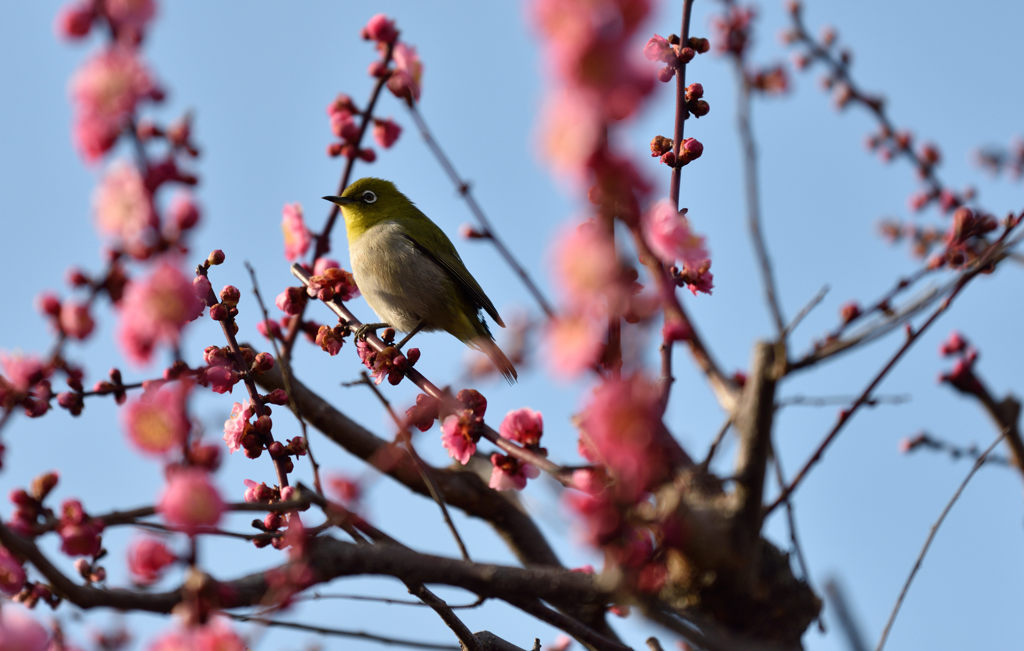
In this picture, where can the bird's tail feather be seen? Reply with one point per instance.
(487, 346)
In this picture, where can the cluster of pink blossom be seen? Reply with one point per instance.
(961, 376)
(400, 69)
(390, 363)
(600, 81)
(155, 304)
(524, 426)
(461, 429)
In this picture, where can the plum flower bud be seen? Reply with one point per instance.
(659, 49)
(381, 29)
(386, 132)
(404, 81)
(523, 426)
(660, 145)
(691, 149)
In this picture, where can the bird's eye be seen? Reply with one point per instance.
(369, 197)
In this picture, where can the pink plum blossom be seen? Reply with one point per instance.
(386, 132)
(155, 310)
(157, 421)
(23, 371)
(75, 320)
(509, 473)
(12, 574)
(573, 343)
(106, 90)
(587, 268)
(667, 232)
(215, 635)
(459, 434)
(380, 28)
(297, 237)
(130, 16)
(621, 428)
(238, 424)
(19, 632)
(123, 206)
(404, 81)
(147, 559)
(190, 501)
(523, 425)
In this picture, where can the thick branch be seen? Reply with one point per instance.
(753, 422)
(461, 489)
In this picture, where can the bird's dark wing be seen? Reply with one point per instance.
(440, 249)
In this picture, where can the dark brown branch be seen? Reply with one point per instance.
(753, 423)
(460, 488)
(1005, 414)
(570, 625)
(464, 635)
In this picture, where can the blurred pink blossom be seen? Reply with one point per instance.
(297, 237)
(155, 310)
(157, 421)
(190, 501)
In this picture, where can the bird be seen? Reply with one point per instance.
(410, 273)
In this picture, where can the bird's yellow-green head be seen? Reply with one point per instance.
(369, 201)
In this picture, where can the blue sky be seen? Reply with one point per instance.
(259, 81)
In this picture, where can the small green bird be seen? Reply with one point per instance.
(409, 271)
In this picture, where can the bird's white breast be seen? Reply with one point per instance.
(400, 283)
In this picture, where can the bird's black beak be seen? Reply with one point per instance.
(341, 201)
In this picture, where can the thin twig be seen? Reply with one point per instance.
(341, 632)
(840, 607)
(286, 374)
(317, 596)
(439, 606)
(955, 452)
(681, 110)
(421, 465)
(753, 198)
(794, 539)
(825, 401)
(716, 442)
(806, 309)
(982, 264)
(488, 230)
(229, 329)
(978, 463)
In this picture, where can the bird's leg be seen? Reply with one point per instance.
(419, 326)
(360, 332)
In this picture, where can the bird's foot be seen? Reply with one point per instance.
(368, 328)
(419, 326)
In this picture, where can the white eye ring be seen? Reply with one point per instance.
(369, 197)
